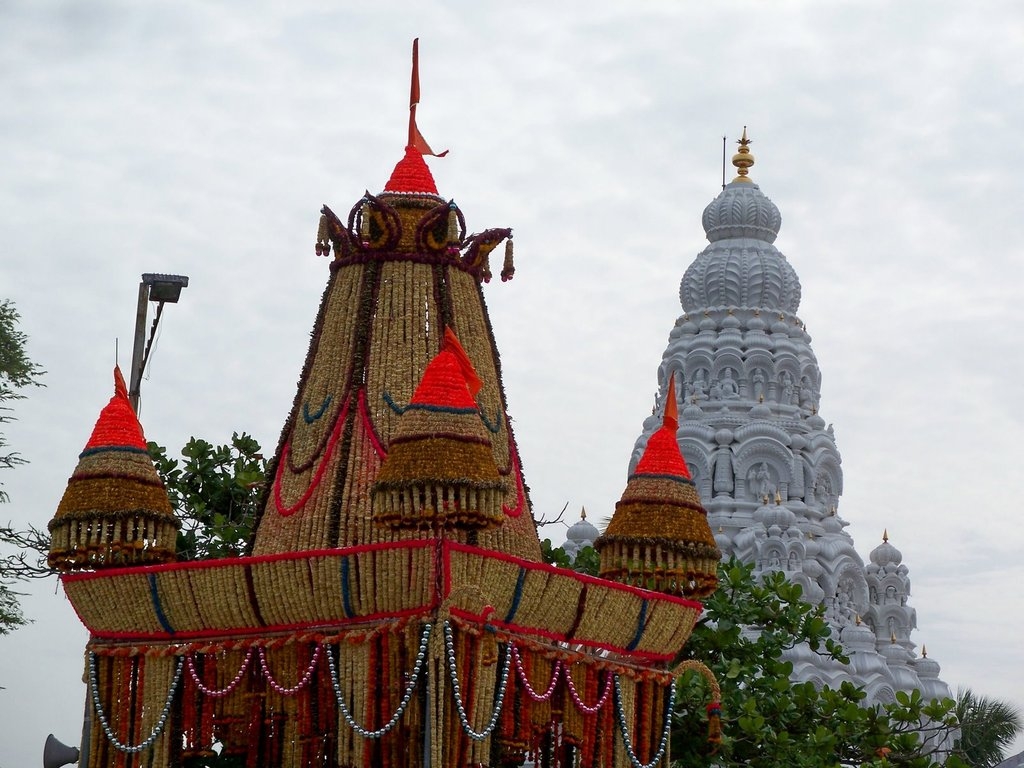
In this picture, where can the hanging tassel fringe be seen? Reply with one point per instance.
(714, 725)
(508, 269)
(323, 243)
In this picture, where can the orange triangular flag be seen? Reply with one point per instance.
(416, 139)
(451, 343)
(671, 417)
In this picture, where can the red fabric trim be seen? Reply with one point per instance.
(519, 629)
(645, 594)
(517, 473)
(318, 475)
(367, 420)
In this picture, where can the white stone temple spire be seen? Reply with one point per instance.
(765, 464)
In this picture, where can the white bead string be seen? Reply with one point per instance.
(457, 692)
(530, 691)
(190, 662)
(578, 701)
(624, 729)
(299, 685)
(105, 724)
(397, 715)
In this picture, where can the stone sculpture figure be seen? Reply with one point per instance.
(730, 389)
(787, 388)
(759, 381)
(762, 482)
(697, 390)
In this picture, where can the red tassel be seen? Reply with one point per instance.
(714, 725)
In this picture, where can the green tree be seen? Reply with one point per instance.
(768, 719)
(215, 492)
(17, 372)
(987, 728)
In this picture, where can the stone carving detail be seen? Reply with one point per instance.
(760, 482)
(759, 379)
(740, 342)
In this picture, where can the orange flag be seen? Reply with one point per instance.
(416, 139)
(671, 417)
(451, 343)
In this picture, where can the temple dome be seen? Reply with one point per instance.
(742, 210)
(740, 272)
(741, 267)
(582, 533)
(885, 553)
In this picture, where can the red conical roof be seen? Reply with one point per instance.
(411, 175)
(449, 380)
(117, 425)
(662, 455)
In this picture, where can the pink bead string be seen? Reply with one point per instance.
(223, 691)
(526, 683)
(299, 685)
(579, 702)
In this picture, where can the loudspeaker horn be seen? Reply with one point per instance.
(56, 754)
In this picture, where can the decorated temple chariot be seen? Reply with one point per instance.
(393, 609)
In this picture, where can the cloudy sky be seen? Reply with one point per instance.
(189, 138)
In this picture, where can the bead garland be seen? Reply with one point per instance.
(421, 656)
(457, 691)
(161, 720)
(299, 685)
(190, 661)
(624, 728)
(531, 692)
(600, 702)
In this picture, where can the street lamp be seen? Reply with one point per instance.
(163, 289)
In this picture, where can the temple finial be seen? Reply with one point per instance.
(583, 513)
(416, 139)
(924, 651)
(743, 159)
(885, 536)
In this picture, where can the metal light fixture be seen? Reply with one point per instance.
(162, 289)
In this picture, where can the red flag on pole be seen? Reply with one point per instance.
(416, 139)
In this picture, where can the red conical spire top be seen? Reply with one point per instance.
(117, 425)
(662, 455)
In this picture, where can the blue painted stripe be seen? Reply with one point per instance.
(641, 625)
(346, 598)
(308, 417)
(155, 594)
(517, 597)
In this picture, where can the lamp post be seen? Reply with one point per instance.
(163, 289)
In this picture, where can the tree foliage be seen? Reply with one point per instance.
(17, 372)
(770, 720)
(215, 492)
(987, 728)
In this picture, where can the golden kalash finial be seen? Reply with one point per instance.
(743, 159)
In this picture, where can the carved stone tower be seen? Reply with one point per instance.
(760, 455)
